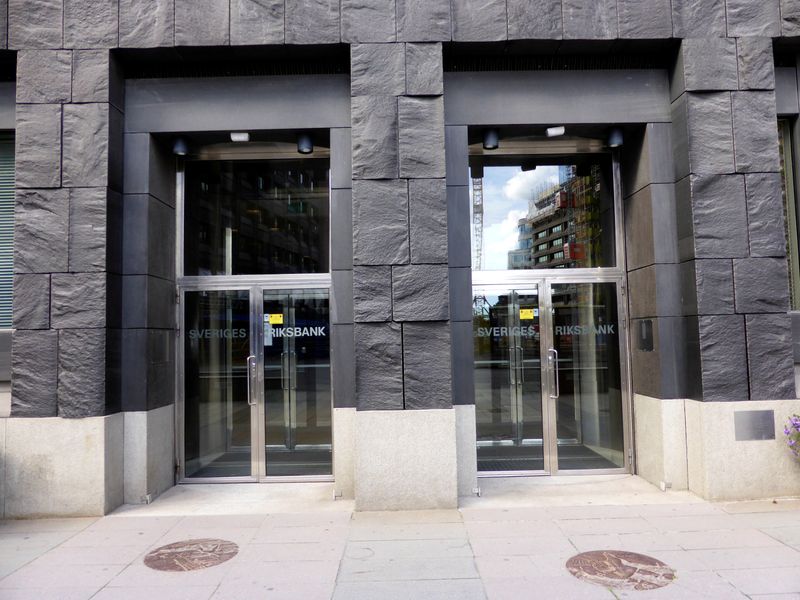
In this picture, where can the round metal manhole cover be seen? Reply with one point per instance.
(191, 555)
(620, 569)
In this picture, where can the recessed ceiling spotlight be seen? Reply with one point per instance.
(491, 139)
(556, 131)
(305, 145)
(240, 136)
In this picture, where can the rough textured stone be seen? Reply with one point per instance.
(86, 140)
(761, 285)
(372, 294)
(714, 284)
(87, 229)
(202, 22)
(377, 70)
(590, 19)
(710, 133)
(423, 20)
(719, 216)
(91, 23)
(765, 222)
(379, 367)
(723, 358)
(78, 300)
(420, 293)
(769, 357)
(753, 18)
(709, 64)
(34, 362)
(38, 146)
(534, 19)
(146, 23)
(81, 373)
(257, 22)
(31, 302)
(756, 64)
(479, 20)
(790, 17)
(368, 21)
(424, 73)
(755, 132)
(40, 231)
(312, 21)
(427, 206)
(426, 365)
(374, 136)
(647, 19)
(380, 222)
(698, 18)
(421, 137)
(91, 77)
(35, 23)
(44, 76)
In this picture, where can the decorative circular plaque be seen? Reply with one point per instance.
(620, 569)
(191, 555)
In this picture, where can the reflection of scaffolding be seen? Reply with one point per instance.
(477, 220)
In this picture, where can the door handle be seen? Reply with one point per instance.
(521, 363)
(552, 356)
(252, 375)
(284, 371)
(512, 371)
(292, 371)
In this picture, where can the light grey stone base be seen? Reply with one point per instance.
(467, 449)
(344, 420)
(149, 453)
(56, 467)
(405, 459)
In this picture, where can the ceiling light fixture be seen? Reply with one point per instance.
(305, 145)
(240, 136)
(491, 139)
(180, 147)
(556, 131)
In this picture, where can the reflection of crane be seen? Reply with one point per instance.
(477, 220)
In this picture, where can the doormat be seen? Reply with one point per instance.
(621, 570)
(191, 555)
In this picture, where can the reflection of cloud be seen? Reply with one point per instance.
(499, 239)
(522, 186)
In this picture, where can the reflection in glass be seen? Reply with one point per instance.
(217, 415)
(508, 401)
(297, 382)
(256, 217)
(542, 216)
(589, 407)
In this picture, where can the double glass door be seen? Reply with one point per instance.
(256, 383)
(548, 377)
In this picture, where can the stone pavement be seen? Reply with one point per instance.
(512, 543)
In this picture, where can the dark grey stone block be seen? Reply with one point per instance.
(257, 22)
(769, 357)
(147, 302)
(709, 64)
(88, 229)
(710, 133)
(756, 64)
(31, 301)
(41, 220)
(457, 154)
(698, 18)
(149, 168)
(642, 286)
(424, 74)
(790, 18)
(723, 358)
(372, 294)
(78, 300)
(639, 229)
(423, 20)
(374, 135)
(202, 22)
(341, 229)
(684, 219)
(91, 23)
(460, 294)
(795, 318)
(81, 373)
(44, 76)
(368, 21)
(479, 20)
(420, 293)
(94, 78)
(343, 370)
(747, 18)
(380, 222)
(679, 134)
(421, 137)
(341, 158)
(459, 245)
(38, 146)
(379, 366)
(341, 297)
(148, 379)
(765, 222)
(312, 21)
(426, 365)
(713, 280)
(719, 216)
(146, 23)
(645, 19)
(655, 291)
(665, 227)
(590, 19)
(761, 285)
(35, 23)
(377, 70)
(534, 19)
(462, 353)
(149, 237)
(86, 142)
(427, 205)
(648, 158)
(755, 132)
(34, 381)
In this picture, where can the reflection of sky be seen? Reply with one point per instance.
(506, 193)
